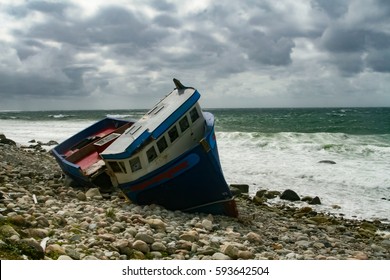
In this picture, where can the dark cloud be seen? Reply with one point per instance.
(357, 40)
(110, 26)
(266, 50)
(339, 39)
(34, 85)
(163, 5)
(52, 8)
(379, 61)
(167, 20)
(333, 8)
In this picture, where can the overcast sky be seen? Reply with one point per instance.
(251, 53)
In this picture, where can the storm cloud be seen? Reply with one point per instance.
(83, 55)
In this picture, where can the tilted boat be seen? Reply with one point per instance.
(169, 157)
(79, 155)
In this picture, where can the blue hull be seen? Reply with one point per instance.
(193, 182)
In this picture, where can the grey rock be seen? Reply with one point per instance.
(207, 224)
(141, 246)
(93, 193)
(144, 237)
(158, 246)
(220, 256)
(64, 258)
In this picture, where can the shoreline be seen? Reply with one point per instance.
(42, 217)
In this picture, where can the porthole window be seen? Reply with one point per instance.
(151, 154)
(194, 115)
(162, 144)
(184, 124)
(135, 164)
(173, 134)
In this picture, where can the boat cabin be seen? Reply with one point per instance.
(170, 128)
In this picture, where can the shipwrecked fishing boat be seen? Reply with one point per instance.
(170, 157)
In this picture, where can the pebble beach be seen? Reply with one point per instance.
(42, 216)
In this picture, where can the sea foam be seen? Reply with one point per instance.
(359, 182)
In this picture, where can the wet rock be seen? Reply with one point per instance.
(259, 200)
(305, 210)
(315, 201)
(271, 194)
(327, 161)
(290, 195)
(307, 198)
(261, 193)
(6, 141)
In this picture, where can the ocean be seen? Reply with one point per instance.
(273, 149)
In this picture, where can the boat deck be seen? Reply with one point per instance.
(88, 160)
(86, 154)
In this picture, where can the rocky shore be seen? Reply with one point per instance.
(43, 217)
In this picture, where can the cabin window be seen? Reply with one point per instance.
(184, 124)
(173, 134)
(122, 165)
(115, 167)
(194, 115)
(151, 154)
(162, 144)
(135, 164)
